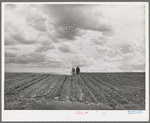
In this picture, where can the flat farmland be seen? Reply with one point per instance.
(89, 91)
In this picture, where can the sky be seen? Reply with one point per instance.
(54, 38)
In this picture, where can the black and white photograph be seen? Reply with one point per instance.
(78, 57)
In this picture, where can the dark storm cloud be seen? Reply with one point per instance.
(21, 39)
(37, 22)
(30, 58)
(61, 35)
(68, 34)
(69, 18)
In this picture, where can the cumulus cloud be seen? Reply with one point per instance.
(30, 58)
(126, 48)
(37, 22)
(64, 35)
(100, 40)
(52, 64)
(65, 48)
(21, 39)
(132, 46)
(9, 41)
(44, 45)
(44, 48)
(133, 61)
(112, 59)
(112, 55)
(80, 60)
(138, 65)
(68, 22)
(102, 49)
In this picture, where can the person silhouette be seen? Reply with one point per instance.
(78, 71)
(73, 71)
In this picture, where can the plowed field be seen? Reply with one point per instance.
(89, 91)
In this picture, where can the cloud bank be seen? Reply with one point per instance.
(55, 37)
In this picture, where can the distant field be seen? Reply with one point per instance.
(91, 91)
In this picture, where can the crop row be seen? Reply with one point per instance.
(98, 93)
(123, 80)
(128, 96)
(17, 78)
(16, 83)
(24, 84)
(109, 83)
(110, 92)
(46, 90)
(120, 83)
(65, 92)
(55, 91)
(86, 94)
(117, 82)
(80, 95)
(34, 88)
(10, 76)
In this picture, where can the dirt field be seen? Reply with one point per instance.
(90, 91)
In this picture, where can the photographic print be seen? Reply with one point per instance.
(75, 56)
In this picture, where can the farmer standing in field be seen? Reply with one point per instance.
(73, 71)
(78, 71)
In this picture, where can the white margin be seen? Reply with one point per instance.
(64, 115)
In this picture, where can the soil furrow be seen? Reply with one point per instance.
(25, 85)
(55, 92)
(32, 90)
(19, 78)
(108, 90)
(80, 94)
(17, 84)
(64, 94)
(90, 92)
(73, 89)
(47, 89)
